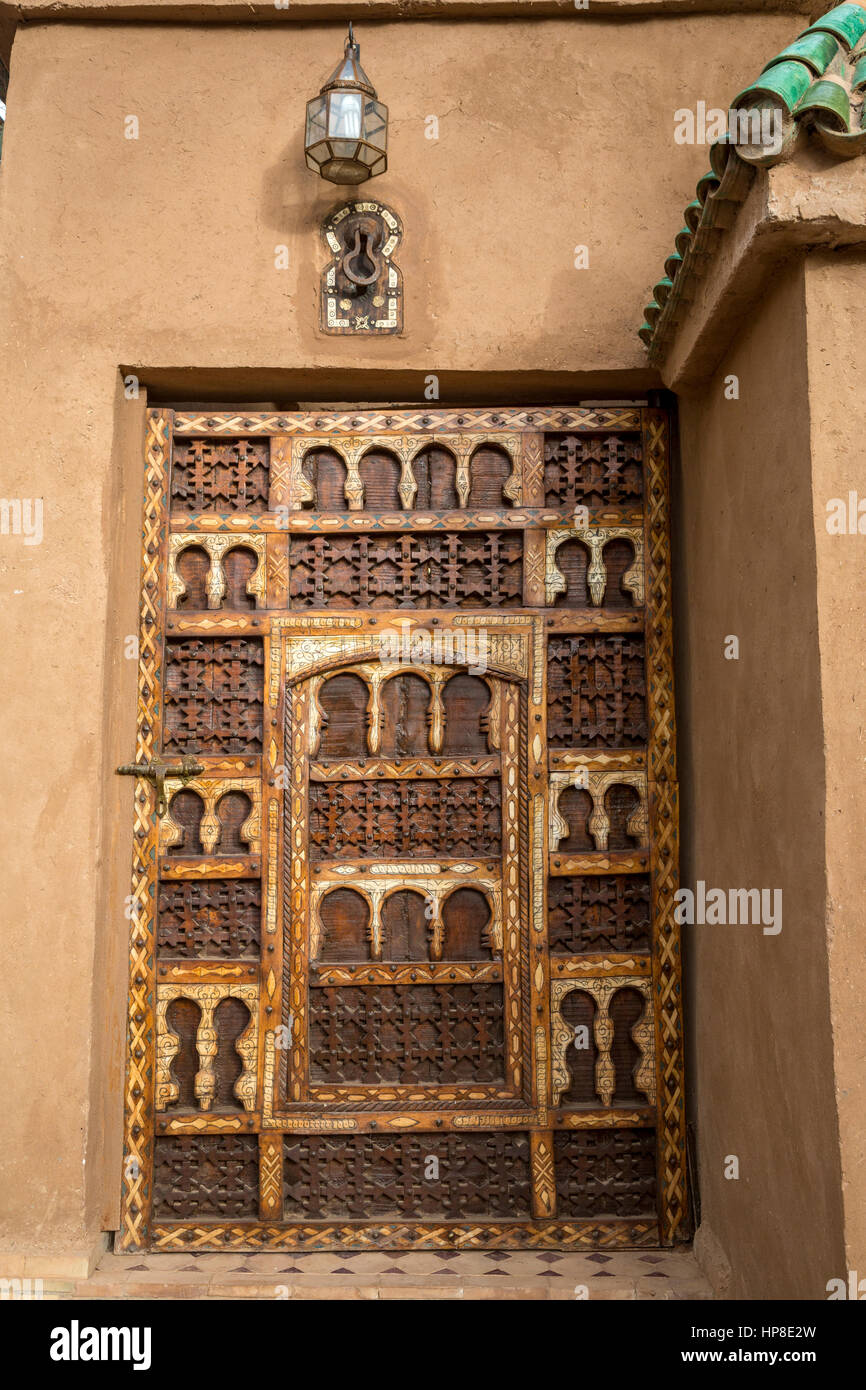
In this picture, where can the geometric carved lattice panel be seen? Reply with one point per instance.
(217, 917)
(593, 471)
(596, 691)
(206, 1176)
(482, 1176)
(407, 1033)
(218, 475)
(599, 912)
(213, 695)
(605, 1172)
(453, 569)
(375, 819)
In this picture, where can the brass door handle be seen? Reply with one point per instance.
(157, 771)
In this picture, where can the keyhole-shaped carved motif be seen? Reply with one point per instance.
(362, 288)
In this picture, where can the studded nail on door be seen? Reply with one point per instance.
(404, 970)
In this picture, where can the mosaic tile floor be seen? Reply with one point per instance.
(654, 1274)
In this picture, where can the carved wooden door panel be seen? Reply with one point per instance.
(403, 964)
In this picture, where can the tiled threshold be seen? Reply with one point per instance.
(627, 1275)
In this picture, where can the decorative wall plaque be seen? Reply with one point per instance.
(362, 288)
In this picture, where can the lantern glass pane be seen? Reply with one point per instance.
(344, 149)
(376, 124)
(316, 124)
(344, 118)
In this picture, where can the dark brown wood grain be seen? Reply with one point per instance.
(400, 917)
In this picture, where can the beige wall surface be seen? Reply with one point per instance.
(753, 804)
(836, 309)
(553, 134)
(158, 254)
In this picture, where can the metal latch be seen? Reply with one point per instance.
(157, 771)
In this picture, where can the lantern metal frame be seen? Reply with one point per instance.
(346, 139)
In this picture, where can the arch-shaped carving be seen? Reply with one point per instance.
(618, 557)
(184, 574)
(490, 471)
(597, 541)
(640, 1032)
(206, 1082)
(575, 809)
(627, 1008)
(467, 702)
(405, 917)
(435, 891)
(209, 790)
(231, 1019)
(405, 708)
(573, 562)
(381, 473)
(193, 568)
(626, 810)
(240, 563)
(186, 810)
(579, 1009)
(234, 810)
(434, 468)
(467, 915)
(622, 805)
(325, 470)
(343, 933)
(180, 1058)
(342, 700)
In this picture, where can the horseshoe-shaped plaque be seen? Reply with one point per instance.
(362, 287)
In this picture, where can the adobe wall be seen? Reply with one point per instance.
(756, 806)
(158, 255)
(836, 316)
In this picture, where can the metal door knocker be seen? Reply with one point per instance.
(362, 288)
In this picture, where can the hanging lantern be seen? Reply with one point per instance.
(347, 128)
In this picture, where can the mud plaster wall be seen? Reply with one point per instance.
(159, 253)
(835, 300)
(753, 804)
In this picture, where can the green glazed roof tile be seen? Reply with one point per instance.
(847, 22)
(788, 81)
(818, 50)
(682, 241)
(662, 291)
(692, 214)
(816, 87)
(828, 98)
(706, 185)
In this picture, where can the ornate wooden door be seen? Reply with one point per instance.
(404, 969)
